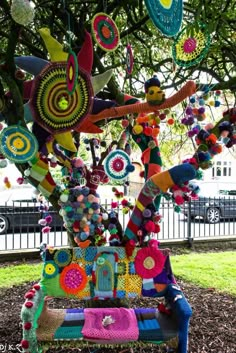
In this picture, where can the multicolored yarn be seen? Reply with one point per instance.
(105, 32)
(39, 172)
(190, 50)
(156, 185)
(80, 209)
(18, 144)
(166, 15)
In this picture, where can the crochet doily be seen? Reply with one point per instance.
(166, 15)
(116, 163)
(190, 48)
(105, 32)
(18, 144)
(52, 106)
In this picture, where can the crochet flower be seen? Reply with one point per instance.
(149, 262)
(73, 279)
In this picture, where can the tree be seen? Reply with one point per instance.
(69, 22)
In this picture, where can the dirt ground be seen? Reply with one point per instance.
(212, 326)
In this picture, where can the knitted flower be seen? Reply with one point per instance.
(73, 279)
(149, 262)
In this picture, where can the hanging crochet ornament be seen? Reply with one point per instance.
(129, 59)
(117, 165)
(166, 15)
(18, 144)
(72, 70)
(105, 32)
(22, 12)
(51, 105)
(189, 49)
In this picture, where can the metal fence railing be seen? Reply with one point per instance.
(19, 228)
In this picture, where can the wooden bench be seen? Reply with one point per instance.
(105, 273)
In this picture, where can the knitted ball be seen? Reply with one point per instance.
(22, 12)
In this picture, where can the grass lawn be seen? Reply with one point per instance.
(18, 274)
(209, 270)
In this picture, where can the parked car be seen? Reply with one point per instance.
(216, 201)
(20, 209)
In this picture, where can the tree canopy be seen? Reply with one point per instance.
(67, 22)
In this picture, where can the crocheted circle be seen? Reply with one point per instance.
(166, 15)
(71, 72)
(115, 165)
(50, 269)
(189, 49)
(18, 144)
(62, 257)
(105, 32)
(129, 59)
(73, 279)
(52, 106)
(149, 262)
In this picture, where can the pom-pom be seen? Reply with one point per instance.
(125, 123)
(130, 168)
(192, 100)
(188, 110)
(114, 204)
(42, 222)
(147, 213)
(208, 126)
(129, 247)
(153, 243)
(20, 180)
(105, 216)
(137, 129)
(29, 295)
(170, 121)
(46, 229)
(48, 219)
(27, 172)
(149, 226)
(36, 286)
(27, 326)
(78, 162)
(217, 104)
(179, 200)
(24, 344)
(201, 110)
(22, 12)
(29, 304)
(155, 131)
(124, 202)
(162, 116)
(147, 131)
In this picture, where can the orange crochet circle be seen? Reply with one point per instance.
(73, 279)
(106, 32)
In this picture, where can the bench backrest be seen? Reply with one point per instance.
(106, 272)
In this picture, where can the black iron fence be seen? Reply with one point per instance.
(200, 219)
